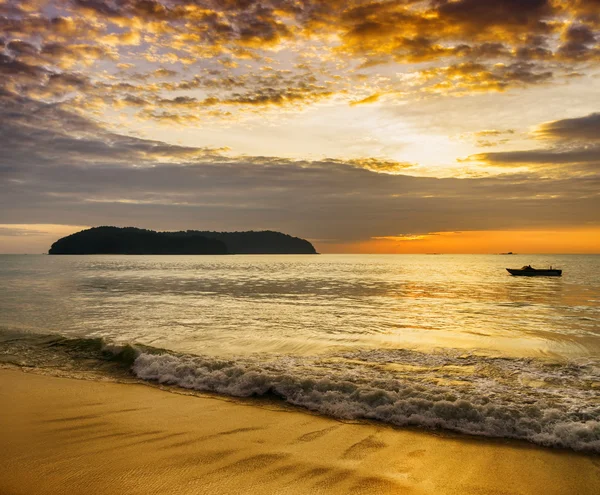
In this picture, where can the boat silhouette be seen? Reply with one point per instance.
(529, 271)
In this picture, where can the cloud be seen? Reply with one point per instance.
(500, 17)
(541, 157)
(364, 101)
(279, 96)
(374, 164)
(75, 51)
(443, 29)
(64, 137)
(69, 67)
(9, 231)
(162, 72)
(575, 147)
(407, 237)
(66, 56)
(471, 77)
(585, 128)
(493, 132)
(583, 9)
(489, 138)
(579, 43)
(60, 166)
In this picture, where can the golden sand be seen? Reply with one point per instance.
(65, 436)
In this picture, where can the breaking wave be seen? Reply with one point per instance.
(548, 404)
(555, 404)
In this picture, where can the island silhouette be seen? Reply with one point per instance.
(132, 240)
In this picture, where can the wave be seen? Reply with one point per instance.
(548, 403)
(545, 404)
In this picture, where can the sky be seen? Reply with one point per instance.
(459, 126)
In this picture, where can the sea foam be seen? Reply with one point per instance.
(549, 403)
(545, 403)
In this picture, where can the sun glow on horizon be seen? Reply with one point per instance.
(555, 241)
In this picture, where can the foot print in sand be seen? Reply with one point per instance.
(362, 449)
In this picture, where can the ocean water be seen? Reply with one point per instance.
(436, 341)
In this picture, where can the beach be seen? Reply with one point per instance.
(64, 435)
(297, 247)
(297, 375)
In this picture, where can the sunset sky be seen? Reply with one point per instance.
(363, 126)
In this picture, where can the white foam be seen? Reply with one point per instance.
(514, 398)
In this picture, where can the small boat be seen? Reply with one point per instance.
(529, 271)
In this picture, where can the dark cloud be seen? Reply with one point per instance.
(579, 33)
(576, 147)
(582, 128)
(579, 43)
(534, 47)
(61, 52)
(426, 31)
(482, 51)
(10, 67)
(60, 168)
(46, 135)
(475, 16)
(20, 48)
(404, 30)
(103, 7)
(468, 77)
(587, 10)
(542, 157)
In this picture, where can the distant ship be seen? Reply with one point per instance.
(529, 271)
(510, 252)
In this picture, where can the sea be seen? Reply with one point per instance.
(444, 342)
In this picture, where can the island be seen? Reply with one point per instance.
(132, 240)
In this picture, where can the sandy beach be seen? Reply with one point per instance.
(61, 435)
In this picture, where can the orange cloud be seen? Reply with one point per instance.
(369, 99)
(79, 49)
(470, 77)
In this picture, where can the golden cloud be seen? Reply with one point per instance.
(369, 99)
(472, 77)
(315, 50)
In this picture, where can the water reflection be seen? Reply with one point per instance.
(308, 304)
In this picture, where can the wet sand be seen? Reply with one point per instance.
(61, 435)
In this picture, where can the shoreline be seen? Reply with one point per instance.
(67, 435)
(426, 400)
